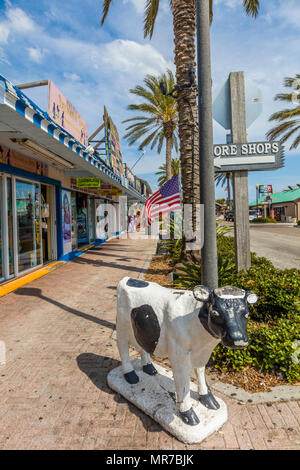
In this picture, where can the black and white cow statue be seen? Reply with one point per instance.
(184, 326)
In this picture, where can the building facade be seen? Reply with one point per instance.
(46, 213)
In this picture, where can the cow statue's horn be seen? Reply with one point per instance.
(201, 293)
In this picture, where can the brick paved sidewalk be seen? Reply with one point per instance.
(53, 392)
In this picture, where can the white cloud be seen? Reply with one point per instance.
(4, 32)
(36, 54)
(72, 76)
(288, 11)
(17, 21)
(138, 4)
(134, 58)
(228, 3)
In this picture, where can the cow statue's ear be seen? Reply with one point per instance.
(201, 293)
(251, 297)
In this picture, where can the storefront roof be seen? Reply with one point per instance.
(21, 118)
(282, 197)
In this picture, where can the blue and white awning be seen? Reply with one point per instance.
(11, 96)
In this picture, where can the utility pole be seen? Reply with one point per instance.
(240, 178)
(207, 181)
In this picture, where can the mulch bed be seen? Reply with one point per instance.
(249, 379)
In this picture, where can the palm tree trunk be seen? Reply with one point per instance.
(168, 157)
(184, 25)
(228, 189)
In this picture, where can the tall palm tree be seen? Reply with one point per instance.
(184, 28)
(288, 118)
(159, 121)
(162, 173)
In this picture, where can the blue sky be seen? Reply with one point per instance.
(96, 66)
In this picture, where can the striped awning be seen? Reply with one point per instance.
(11, 96)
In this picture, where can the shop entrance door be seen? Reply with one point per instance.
(46, 223)
(28, 215)
(82, 220)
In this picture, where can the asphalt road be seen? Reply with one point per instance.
(279, 243)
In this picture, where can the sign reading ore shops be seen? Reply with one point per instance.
(250, 156)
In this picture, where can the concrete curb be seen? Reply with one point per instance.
(277, 394)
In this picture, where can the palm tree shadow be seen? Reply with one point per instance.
(34, 292)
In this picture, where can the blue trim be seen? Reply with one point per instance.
(74, 254)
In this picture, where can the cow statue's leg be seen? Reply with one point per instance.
(206, 397)
(181, 366)
(128, 371)
(148, 367)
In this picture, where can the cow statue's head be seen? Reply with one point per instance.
(224, 313)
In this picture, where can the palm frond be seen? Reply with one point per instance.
(105, 9)
(150, 14)
(252, 7)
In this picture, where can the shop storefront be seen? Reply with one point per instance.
(44, 215)
(28, 222)
(78, 221)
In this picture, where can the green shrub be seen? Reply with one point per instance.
(189, 275)
(271, 348)
(277, 312)
(278, 290)
(298, 223)
(264, 220)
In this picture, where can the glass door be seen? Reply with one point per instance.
(10, 227)
(28, 203)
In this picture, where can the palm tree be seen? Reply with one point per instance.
(224, 179)
(289, 118)
(184, 27)
(163, 174)
(159, 120)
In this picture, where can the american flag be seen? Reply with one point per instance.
(165, 199)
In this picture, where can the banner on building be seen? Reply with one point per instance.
(113, 146)
(88, 183)
(63, 113)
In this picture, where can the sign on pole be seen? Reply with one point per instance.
(265, 189)
(256, 156)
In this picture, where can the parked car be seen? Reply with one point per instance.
(254, 215)
(229, 216)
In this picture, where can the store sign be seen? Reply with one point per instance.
(109, 192)
(113, 146)
(265, 189)
(18, 160)
(88, 183)
(63, 113)
(129, 175)
(249, 156)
